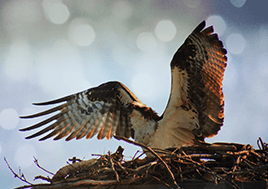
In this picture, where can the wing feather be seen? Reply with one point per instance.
(98, 123)
(195, 106)
(76, 130)
(93, 126)
(202, 59)
(106, 125)
(65, 130)
(83, 130)
(46, 121)
(46, 129)
(96, 111)
(115, 124)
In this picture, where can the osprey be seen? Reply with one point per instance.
(194, 109)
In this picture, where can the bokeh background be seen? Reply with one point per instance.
(53, 48)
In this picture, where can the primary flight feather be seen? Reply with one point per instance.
(194, 110)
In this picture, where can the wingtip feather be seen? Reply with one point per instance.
(46, 112)
(24, 129)
(63, 99)
(29, 137)
(200, 27)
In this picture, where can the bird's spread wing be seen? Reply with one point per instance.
(99, 110)
(197, 73)
(195, 106)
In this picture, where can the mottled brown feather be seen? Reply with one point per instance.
(203, 57)
(99, 110)
(197, 98)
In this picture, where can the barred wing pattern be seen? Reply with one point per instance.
(195, 109)
(203, 59)
(99, 110)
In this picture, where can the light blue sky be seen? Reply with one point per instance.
(51, 49)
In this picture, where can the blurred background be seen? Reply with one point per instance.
(53, 48)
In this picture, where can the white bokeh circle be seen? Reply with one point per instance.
(165, 30)
(235, 43)
(218, 23)
(146, 42)
(24, 155)
(238, 3)
(56, 12)
(81, 33)
(9, 119)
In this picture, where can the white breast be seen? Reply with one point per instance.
(175, 129)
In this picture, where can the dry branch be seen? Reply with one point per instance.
(228, 163)
(153, 152)
(38, 165)
(21, 176)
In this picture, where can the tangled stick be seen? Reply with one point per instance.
(155, 154)
(220, 163)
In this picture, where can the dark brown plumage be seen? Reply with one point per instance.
(203, 57)
(194, 110)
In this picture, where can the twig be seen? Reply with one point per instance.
(43, 178)
(155, 154)
(208, 170)
(134, 157)
(26, 186)
(74, 160)
(96, 154)
(146, 166)
(93, 182)
(208, 162)
(73, 184)
(250, 170)
(261, 147)
(263, 144)
(236, 165)
(120, 165)
(112, 166)
(37, 164)
(242, 152)
(21, 176)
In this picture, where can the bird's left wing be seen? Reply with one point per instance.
(99, 110)
(196, 102)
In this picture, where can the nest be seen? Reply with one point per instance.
(230, 163)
